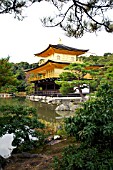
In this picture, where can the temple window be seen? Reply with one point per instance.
(72, 58)
(58, 57)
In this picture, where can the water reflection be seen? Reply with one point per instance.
(64, 114)
(44, 110)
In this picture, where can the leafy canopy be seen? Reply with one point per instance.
(92, 126)
(75, 77)
(93, 121)
(23, 123)
(106, 66)
(6, 75)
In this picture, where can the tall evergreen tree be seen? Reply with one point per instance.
(6, 75)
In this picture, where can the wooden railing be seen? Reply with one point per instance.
(35, 78)
(54, 93)
(47, 93)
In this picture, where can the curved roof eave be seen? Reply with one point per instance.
(48, 62)
(61, 47)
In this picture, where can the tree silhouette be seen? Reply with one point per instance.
(74, 17)
(79, 17)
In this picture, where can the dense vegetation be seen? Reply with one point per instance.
(12, 76)
(7, 77)
(19, 70)
(13, 79)
(92, 126)
(99, 60)
(87, 74)
(22, 122)
(75, 78)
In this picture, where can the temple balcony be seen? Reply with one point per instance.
(36, 78)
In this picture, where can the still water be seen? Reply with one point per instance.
(45, 111)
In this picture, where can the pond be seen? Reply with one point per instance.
(45, 111)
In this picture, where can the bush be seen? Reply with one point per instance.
(23, 122)
(74, 158)
(92, 126)
(93, 122)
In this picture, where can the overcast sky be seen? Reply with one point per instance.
(22, 39)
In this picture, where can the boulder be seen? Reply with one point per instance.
(70, 106)
(63, 107)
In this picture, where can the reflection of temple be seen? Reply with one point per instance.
(53, 60)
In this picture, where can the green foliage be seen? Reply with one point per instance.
(12, 75)
(77, 158)
(19, 71)
(8, 89)
(92, 126)
(105, 71)
(23, 123)
(93, 121)
(66, 88)
(29, 88)
(74, 77)
(108, 73)
(99, 60)
(6, 74)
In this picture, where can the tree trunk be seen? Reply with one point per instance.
(81, 94)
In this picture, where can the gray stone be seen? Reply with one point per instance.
(62, 107)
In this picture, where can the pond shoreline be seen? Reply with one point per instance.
(53, 100)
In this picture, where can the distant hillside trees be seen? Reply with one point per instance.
(99, 60)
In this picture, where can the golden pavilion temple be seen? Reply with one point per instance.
(52, 62)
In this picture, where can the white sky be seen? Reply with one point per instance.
(22, 39)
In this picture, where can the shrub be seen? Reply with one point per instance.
(92, 126)
(74, 158)
(23, 122)
(93, 122)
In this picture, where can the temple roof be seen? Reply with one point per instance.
(56, 64)
(61, 49)
(49, 64)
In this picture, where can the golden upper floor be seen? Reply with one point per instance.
(60, 53)
(53, 60)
